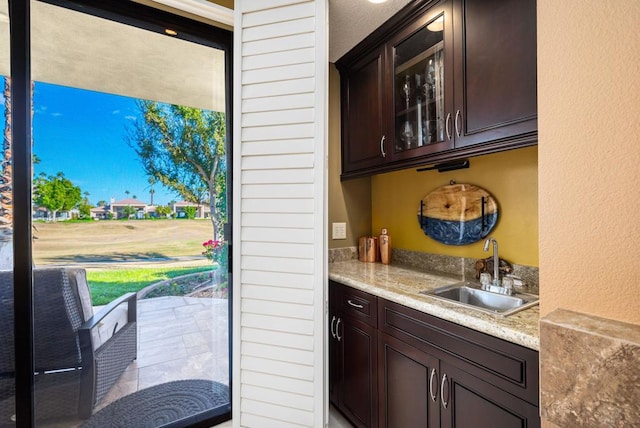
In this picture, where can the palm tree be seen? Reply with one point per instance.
(126, 192)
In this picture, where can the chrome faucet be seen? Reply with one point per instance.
(496, 286)
(496, 260)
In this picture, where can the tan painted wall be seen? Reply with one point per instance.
(589, 157)
(349, 201)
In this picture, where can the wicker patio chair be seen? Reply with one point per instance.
(79, 355)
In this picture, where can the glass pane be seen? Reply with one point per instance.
(7, 364)
(419, 87)
(130, 291)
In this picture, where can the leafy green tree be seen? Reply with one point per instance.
(128, 211)
(184, 149)
(190, 212)
(85, 210)
(56, 193)
(163, 210)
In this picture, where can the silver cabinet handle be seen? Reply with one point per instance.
(445, 403)
(433, 396)
(355, 305)
(455, 122)
(447, 125)
(333, 320)
(384, 155)
(337, 330)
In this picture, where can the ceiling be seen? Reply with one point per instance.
(66, 55)
(350, 21)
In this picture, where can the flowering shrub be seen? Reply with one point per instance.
(216, 251)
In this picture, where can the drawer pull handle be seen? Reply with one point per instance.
(445, 403)
(433, 396)
(355, 305)
(382, 152)
(338, 331)
(333, 320)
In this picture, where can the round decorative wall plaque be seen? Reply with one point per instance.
(458, 214)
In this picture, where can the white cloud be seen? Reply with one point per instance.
(56, 114)
(130, 117)
(115, 112)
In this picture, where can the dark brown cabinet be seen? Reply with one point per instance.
(424, 371)
(353, 354)
(441, 80)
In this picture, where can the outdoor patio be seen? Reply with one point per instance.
(178, 338)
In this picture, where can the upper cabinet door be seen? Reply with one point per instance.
(364, 136)
(421, 84)
(495, 57)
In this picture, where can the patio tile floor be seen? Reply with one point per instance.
(178, 338)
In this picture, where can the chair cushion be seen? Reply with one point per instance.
(78, 282)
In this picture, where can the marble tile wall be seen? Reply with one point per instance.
(438, 263)
(589, 371)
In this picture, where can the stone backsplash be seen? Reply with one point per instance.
(438, 263)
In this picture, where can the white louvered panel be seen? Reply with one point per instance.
(249, 420)
(280, 102)
(301, 206)
(274, 352)
(277, 323)
(287, 281)
(277, 383)
(279, 29)
(258, 234)
(277, 397)
(291, 310)
(280, 117)
(278, 368)
(278, 59)
(295, 251)
(278, 14)
(289, 87)
(249, 6)
(286, 340)
(277, 191)
(277, 176)
(275, 293)
(278, 44)
(280, 220)
(279, 253)
(277, 264)
(275, 74)
(281, 413)
(290, 146)
(304, 130)
(286, 161)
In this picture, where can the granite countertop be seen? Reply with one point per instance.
(403, 285)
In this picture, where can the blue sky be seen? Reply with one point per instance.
(83, 134)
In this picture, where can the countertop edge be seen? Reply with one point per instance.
(505, 328)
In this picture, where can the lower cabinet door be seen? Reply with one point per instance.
(358, 398)
(468, 402)
(408, 385)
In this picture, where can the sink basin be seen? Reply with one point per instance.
(470, 295)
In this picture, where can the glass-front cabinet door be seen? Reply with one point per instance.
(423, 88)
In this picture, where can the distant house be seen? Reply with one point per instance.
(100, 213)
(202, 210)
(117, 207)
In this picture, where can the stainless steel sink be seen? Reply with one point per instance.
(470, 295)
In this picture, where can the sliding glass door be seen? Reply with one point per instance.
(130, 287)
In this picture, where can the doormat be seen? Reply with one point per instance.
(161, 404)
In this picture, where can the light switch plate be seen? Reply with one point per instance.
(339, 231)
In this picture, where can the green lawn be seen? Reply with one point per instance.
(107, 285)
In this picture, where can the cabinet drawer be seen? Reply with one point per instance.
(359, 305)
(508, 366)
